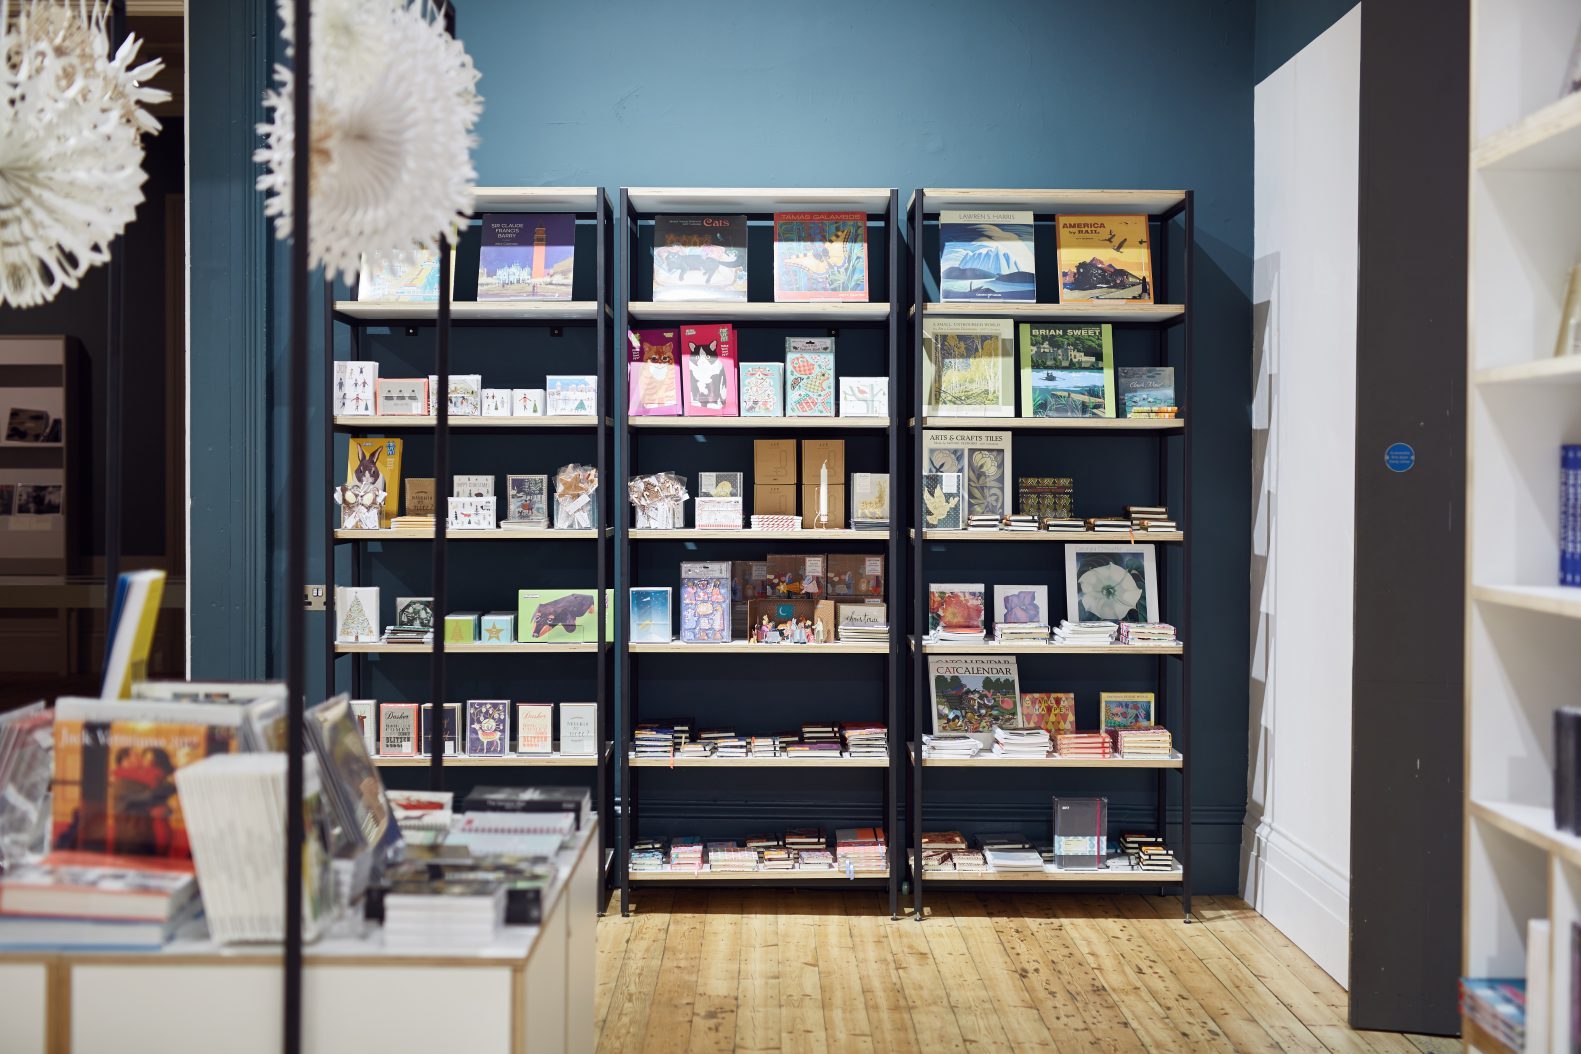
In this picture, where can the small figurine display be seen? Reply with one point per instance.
(793, 630)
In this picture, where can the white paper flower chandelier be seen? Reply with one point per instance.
(72, 119)
(394, 103)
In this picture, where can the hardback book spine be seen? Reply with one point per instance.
(1567, 743)
(1570, 515)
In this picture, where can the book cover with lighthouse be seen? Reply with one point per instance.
(986, 256)
(527, 256)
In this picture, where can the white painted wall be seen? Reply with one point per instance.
(1295, 850)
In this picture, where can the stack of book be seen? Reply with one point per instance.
(420, 813)
(699, 748)
(1150, 518)
(779, 858)
(939, 849)
(864, 633)
(1498, 1004)
(1020, 632)
(814, 860)
(815, 749)
(653, 741)
(408, 635)
(950, 745)
(1146, 633)
(728, 856)
(1063, 523)
(1165, 412)
(1155, 858)
(1085, 634)
(1020, 523)
(1133, 844)
(686, 854)
(1022, 742)
(820, 733)
(543, 803)
(1083, 745)
(806, 839)
(647, 855)
(730, 746)
(403, 523)
(1109, 524)
(1011, 853)
(767, 746)
(982, 522)
(1142, 742)
(443, 913)
(865, 739)
(74, 899)
(862, 848)
(969, 860)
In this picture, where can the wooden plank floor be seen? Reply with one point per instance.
(828, 971)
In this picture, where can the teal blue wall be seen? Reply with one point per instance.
(1284, 27)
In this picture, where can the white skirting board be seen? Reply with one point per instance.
(1304, 896)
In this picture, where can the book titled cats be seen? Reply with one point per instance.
(700, 258)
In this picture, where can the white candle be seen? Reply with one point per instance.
(823, 493)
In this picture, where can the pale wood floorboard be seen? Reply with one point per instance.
(828, 972)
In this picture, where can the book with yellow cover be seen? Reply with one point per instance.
(1104, 258)
(376, 463)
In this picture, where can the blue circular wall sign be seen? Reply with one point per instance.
(1399, 457)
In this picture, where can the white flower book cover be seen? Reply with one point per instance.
(1111, 582)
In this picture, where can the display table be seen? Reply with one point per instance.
(531, 992)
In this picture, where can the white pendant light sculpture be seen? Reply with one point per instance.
(72, 118)
(394, 103)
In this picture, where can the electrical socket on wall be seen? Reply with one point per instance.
(313, 598)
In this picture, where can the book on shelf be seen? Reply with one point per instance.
(1104, 258)
(1054, 712)
(526, 256)
(96, 900)
(362, 820)
(579, 729)
(809, 377)
(451, 912)
(1085, 634)
(1539, 986)
(373, 479)
(982, 458)
(974, 694)
(129, 632)
(1567, 766)
(986, 255)
(1146, 391)
(700, 258)
(1125, 710)
(1080, 833)
(942, 500)
(1010, 853)
(1570, 514)
(820, 256)
(402, 275)
(1022, 605)
(955, 611)
(653, 373)
(1143, 742)
(968, 367)
(951, 745)
(1015, 741)
(709, 377)
(1111, 582)
(1046, 497)
(1497, 1004)
(1067, 370)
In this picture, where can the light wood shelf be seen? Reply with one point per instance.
(506, 648)
(1564, 601)
(534, 199)
(1052, 536)
(1058, 424)
(989, 761)
(1565, 369)
(1104, 876)
(376, 422)
(871, 200)
(829, 313)
(397, 534)
(1045, 202)
(1083, 311)
(1549, 139)
(1478, 1040)
(744, 647)
(790, 877)
(758, 763)
(709, 424)
(842, 534)
(1038, 648)
(507, 761)
(1533, 824)
(470, 310)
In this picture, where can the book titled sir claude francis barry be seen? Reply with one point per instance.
(527, 256)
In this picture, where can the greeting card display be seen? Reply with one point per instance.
(527, 402)
(653, 373)
(528, 500)
(762, 389)
(471, 514)
(809, 377)
(708, 361)
(496, 402)
(579, 729)
(572, 395)
(534, 728)
(373, 467)
(488, 727)
(650, 615)
(355, 384)
(401, 396)
(864, 396)
(705, 602)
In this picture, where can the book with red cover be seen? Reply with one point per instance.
(653, 373)
(709, 382)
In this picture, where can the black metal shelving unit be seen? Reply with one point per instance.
(520, 551)
(1169, 322)
(637, 207)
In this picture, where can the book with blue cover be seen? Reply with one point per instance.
(527, 256)
(1570, 514)
(986, 255)
(650, 615)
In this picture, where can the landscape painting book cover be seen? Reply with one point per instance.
(974, 695)
(401, 276)
(986, 256)
(820, 256)
(968, 367)
(700, 258)
(1146, 387)
(1067, 370)
(527, 256)
(1104, 258)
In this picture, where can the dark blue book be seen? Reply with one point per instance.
(527, 256)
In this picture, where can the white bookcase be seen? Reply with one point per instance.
(1523, 632)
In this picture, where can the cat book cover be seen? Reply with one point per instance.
(1067, 370)
(820, 256)
(708, 370)
(653, 373)
(809, 377)
(1145, 388)
(1054, 712)
(986, 256)
(560, 616)
(974, 694)
(488, 727)
(114, 787)
(650, 615)
(983, 461)
(700, 258)
(762, 389)
(1104, 258)
(1125, 710)
(374, 465)
(968, 367)
(955, 608)
(705, 602)
(527, 256)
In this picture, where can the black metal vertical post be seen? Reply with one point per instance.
(897, 638)
(329, 481)
(918, 586)
(114, 373)
(296, 521)
(358, 551)
(605, 507)
(1189, 243)
(441, 400)
(623, 574)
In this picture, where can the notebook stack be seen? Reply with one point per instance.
(1133, 844)
(982, 522)
(969, 860)
(77, 899)
(814, 860)
(939, 849)
(412, 523)
(447, 913)
(779, 858)
(726, 744)
(950, 745)
(806, 839)
(1142, 742)
(765, 746)
(865, 739)
(1150, 519)
(1020, 632)
(1145, 633)
(1021, 523)
(686, 854)
(1085, 634)
(728, 856)
(776, 522)
(653, 741)
(1084, 745)
(1011, 853)
(408, 635)
(820, 733)
(862, 848)
(647, 855)
(1063, 523)
(1155, 858)
(1022, 743)
(864, 632)
(696, 748)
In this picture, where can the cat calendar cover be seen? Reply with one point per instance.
(700, 258)
(653, 373)
(708, 368)
(488, 727)
(820, 256)
(527, 256)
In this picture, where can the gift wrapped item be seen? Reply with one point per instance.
(660, 501)
(359, 503)
(575, 494)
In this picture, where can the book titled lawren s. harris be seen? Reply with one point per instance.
(986, 256)
(527, 256)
